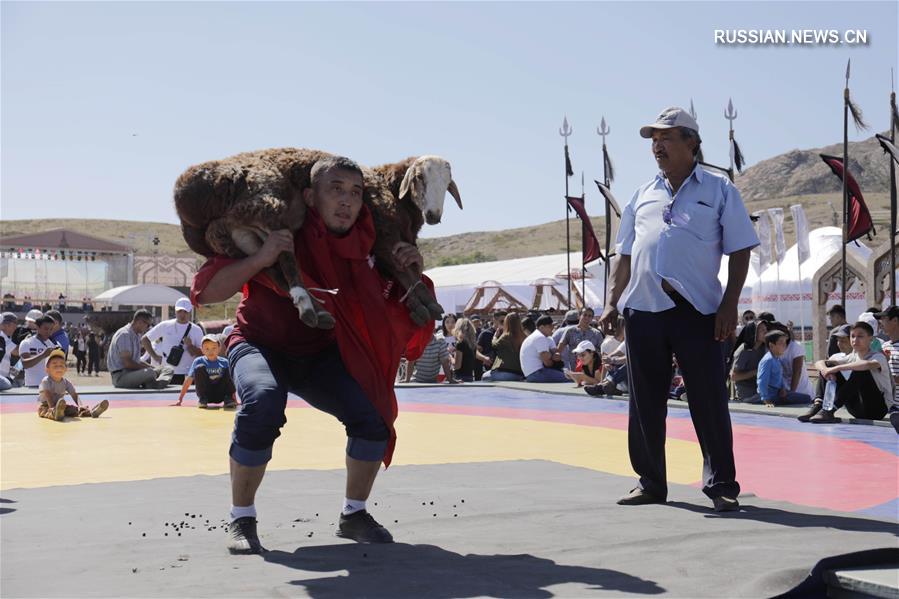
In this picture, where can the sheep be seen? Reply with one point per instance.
(228, 207)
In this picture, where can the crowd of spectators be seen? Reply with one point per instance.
(62, 303)
(529, 347)
(767, 364)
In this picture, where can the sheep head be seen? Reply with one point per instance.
(426, 182)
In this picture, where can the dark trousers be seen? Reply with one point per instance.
(93, 362)
(861, 396)
(209, 391)
(80, 361)
(652, 338)
(820, 387)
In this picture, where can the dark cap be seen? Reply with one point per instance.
(571, 317)
(8, 317)
(842, 330)
(891, 312)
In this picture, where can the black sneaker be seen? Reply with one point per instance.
(243, 537)
(230, 405)
(594, 390)
(726, 504)
(202, 404)
(361, 527)
(816, 407)
(825, 417)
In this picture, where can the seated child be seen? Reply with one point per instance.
(213, 380)
(863, 381)
(771, 390)
(53, 389)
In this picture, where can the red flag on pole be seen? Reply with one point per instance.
(859, 218)
(590, 244)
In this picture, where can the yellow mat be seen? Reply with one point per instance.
(144, 443)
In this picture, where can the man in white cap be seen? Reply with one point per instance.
(672, 236)
(175, 342)
(31, 319)
(9, 353)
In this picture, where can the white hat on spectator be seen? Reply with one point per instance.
(584, 346)
(868, 318)
(184, 304)
(33, 315)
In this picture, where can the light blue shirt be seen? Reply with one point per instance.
(708, 221)
(769, 377)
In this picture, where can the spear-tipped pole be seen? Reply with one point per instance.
(602, 131)
(565, 131)
(583, 266)
(736, 156)
(893, 125)
(845, 177)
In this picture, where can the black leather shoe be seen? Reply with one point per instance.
(243, 537)
(816, 407)
(726, 504)
(362, 528)
(825, 417)
(638, 496)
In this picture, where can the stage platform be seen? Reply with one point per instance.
(500, 491)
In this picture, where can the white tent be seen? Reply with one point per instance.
(455, 285)
(141, 295)
(765, 293)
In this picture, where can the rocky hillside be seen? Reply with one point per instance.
(802, 172)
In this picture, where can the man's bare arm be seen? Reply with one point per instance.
(619, 277)
(230, 279)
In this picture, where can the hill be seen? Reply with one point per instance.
(795, 177)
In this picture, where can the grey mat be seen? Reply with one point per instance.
(500, 529)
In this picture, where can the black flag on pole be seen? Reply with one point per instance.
(589, 242)
(569, 172)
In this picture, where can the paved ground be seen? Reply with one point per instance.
(538, 473)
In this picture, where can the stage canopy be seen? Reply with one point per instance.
(141, 296)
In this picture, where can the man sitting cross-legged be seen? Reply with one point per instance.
(538, 355)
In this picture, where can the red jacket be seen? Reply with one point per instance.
(372, 330)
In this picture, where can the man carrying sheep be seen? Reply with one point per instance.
(347, 371)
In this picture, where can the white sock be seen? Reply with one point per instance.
(240, 511)
(351, 506)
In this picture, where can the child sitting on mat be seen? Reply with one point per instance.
(53, 389)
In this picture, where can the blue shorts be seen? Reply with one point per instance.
(263, 377)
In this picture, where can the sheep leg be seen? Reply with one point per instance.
(418, 299)
(249, 240)
(310, 314)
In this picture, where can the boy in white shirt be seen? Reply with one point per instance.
(867, 390)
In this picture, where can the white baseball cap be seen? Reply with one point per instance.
(33, 315)
(584, 346)
(183, 304)
(670, 118)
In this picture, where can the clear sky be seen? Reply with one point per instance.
(104, 104)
